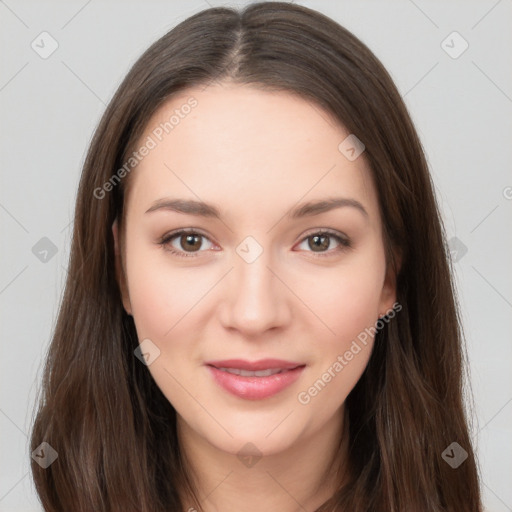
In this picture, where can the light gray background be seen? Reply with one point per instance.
(49, 108)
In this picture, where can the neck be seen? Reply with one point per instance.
(300, 478)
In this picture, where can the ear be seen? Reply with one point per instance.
(388, 294)
(120, 276)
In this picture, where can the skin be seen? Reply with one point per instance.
(256, 155)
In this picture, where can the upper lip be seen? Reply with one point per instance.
(262, 364)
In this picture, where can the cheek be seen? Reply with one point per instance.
(161, 295)
(346, 300)
(350, 309)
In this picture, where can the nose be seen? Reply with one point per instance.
(256, 299)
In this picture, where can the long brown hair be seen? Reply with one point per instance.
(100, 409)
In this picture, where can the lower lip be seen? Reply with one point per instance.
(255, 388)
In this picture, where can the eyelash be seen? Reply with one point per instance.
(164, 242)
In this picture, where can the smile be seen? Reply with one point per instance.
(255, 384)
(248, 373)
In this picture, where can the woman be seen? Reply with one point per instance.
(259, 312)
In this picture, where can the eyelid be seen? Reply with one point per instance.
(328, 231)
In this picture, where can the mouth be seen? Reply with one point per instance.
(255, 380)
(247, 373)
(254, 366)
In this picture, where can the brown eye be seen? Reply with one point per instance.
(321, 243)
(184, 243)
(191, 242)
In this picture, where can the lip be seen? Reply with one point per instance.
(262, 364)
(255, 388)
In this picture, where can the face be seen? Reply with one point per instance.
(265, 279)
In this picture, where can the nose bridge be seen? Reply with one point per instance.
(255, 298)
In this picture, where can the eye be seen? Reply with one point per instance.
(189, 241)
(320, 242)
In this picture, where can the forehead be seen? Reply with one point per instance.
(244, 148)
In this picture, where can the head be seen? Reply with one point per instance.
(269, 128)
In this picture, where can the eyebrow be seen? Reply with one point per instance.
(202, 209)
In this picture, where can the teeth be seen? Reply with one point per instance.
(247, 373)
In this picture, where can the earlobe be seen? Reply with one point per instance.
(120, 275)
